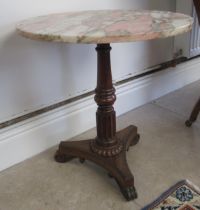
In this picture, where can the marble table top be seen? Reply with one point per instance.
(105, 26)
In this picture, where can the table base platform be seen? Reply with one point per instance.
(116, 165)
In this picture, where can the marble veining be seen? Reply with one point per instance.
(105, 26)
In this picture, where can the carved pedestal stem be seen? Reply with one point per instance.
(105, 98)
(106, 143)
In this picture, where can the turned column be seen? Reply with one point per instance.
(106, 143)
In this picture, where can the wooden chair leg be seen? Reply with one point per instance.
(194, 114)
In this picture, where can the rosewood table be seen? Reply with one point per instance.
(103, 27)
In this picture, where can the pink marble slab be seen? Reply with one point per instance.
(105, 26)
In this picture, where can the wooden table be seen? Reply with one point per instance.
(103, 27)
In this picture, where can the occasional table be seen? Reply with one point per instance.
(103, 27)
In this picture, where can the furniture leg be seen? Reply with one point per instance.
(194, 114)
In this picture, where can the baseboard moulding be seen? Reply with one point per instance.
(35, 135)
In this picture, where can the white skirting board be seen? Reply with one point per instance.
(37, 134)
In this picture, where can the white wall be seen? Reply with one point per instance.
(35, 74)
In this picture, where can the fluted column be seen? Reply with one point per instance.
(105, 98)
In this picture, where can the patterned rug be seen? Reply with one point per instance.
(183, 196)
